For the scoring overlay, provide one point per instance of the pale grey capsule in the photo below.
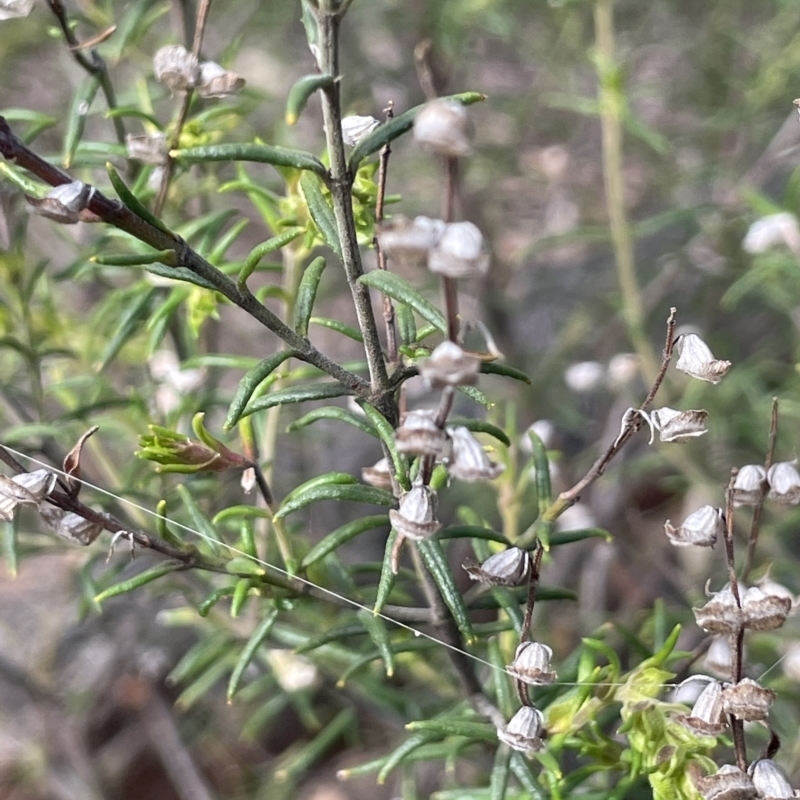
(700, 528)
(355, 128)
(378, 475)
(69, 526)
(12, 495)
(175, 67)
(510, 567)
(214, 80)
(449, 365)
(149, 148)
(444, 127)
(721, 614)
(770, 780)
(764, 612)
(747, 700)
(695, 359)
(15, 9)
(420, 435)
(62, 203)
(39, 483)
(416, 516)
(749, 485)
(468, 460)
(410, 240)
(459, 253)
(729, 783)
(784, 483)
(677, 426)
(772, 230)
(707, 716)
(531, 664)
(524, 730)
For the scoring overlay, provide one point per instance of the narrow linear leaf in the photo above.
(436, 563)
(541, 465)
(76, 121)
(307, 294)
(204, 608)
(297, 394)
(132, 319)
(265, 248)
(260, 153)
(131, 202)
(249, 650)
(300, 93)
(167, 257)
(406, 324)
(142, 579)
(240, 594)
(396, 127)
(245, 565)
(392, 285)
(199, 520)
(204, 684)
(333, 635)
(399, 754)
(333, 412)
(315, 749)
(321, 212)
(250, 382)
(134, 113)
(376, 629)
(567, 537)
(498, 781)
(345, 533)
(180, 274)
(496, 368)
(321, 480)
(453, 726)
(386, 433)
(474, 393)
(241, 512)
(339, 327)
(519, 596)
(354, 493)
(208, 650)
(481, 426)
(521, 768)
(388, 576)
(472, 532)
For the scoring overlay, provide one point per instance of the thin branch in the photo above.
(94, 65)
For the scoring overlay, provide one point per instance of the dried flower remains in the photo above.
(700, 528)
(695, 359)
(531, 664)
(510, 567)
(449, 365)
(524, 730)
(416, 516)
(444, 127)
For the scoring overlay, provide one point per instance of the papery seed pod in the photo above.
(419, 435)
(444, 127)
(721, 614)
(695, 359)
(416, 516)
(764, 612)
(459, 252)
(677, 426)
(719, 657)
(175, 67)
(772, 230)
(449, 365)
(510, 567)
(730, 783)
(356, 128)
(149, 148)
(747, 700)
(69, 526)
(769, 586)
(524, 730)
(63, 203)
(584, 376)
(15, 9)
(468, 460)
(707, 716)
(784, 483)
(11, 496)
(39, 483)
(216, 81)
(749, 485)
(378, 475)
(700, 528)
(410, 240)
(770, 780)
(532, 664)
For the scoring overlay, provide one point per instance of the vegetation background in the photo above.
(710, 144)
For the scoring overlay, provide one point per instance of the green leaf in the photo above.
(567, 537)
(386, 433)
(131, 202)
(498, 781)
(392, 285)
(199, 520)
(480, 426)
(472, 532)
(474, 393)
(406, 324)
(399, 754)
(250, 382)
(497, 368)
(376, 629)
(321, 212)
(131, 321)
(355, 493)
(333, 412)
(439, 568)
(244, 565)
(248, 652)
(388, 575)
(260, 153)
(297, 394)
(321, 480)
(541, 465)
(142, 579)
(307, 294)
(181, 274)
(166, 257)
(263, 249)
(300, 93)
(454, 726)
(332, 635)
(339, 327)
(345, 533)
(76, 121)
(396, 127)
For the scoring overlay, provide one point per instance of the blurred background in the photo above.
(699, 97)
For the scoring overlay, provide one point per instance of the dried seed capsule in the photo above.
(459, 252)
(749, 485)
(416, 516)
(721, 614)
(784, 483)
(15, 9)
(707, 716)
(63, 203)
(150, 148)
(468, 460)
(730, 783)
(419, 435)
(764, 612)
(39, 483)
(356, 128)
(511, 567)
(175, 67)
(700, 528)
(410, 240)
(772, 230)
(770, 780)
(69, 526)
(378, 475)
(676, 426)
(449, 365)
(524, 730)
(443, 126)
(719, 658)
(532, 664)
(747, 700)
(695, 359)
(216, 81)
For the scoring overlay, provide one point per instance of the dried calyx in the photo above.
(26, 489)
(677, 426)
(524, 730)
(695, 359)
(707, 716)
(531, 664)
(511, 567)
(701, 528)
(759, 611)
(449, 365)
(468, 460)
(416, 516)
(444, 127)
(419, 435)
(730, 783)
(67, 203)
